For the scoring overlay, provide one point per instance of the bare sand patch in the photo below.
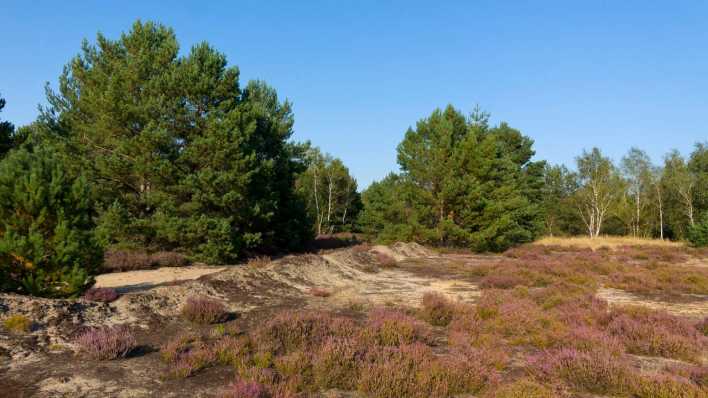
(695, 306)
(145, 279)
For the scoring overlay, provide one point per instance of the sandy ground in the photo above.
(697, 306)
(145, 279)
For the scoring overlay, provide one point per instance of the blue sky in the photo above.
(571, 75)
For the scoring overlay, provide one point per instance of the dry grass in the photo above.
(610, 242)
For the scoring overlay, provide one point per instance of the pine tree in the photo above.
(181, 157)
(7, 141)
(47, 247)
(463, 182)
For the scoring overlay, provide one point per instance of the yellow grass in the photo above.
(611, 242)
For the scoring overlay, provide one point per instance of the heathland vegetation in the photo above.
(149, 157)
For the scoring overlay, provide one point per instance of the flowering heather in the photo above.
(438, 310)
(188, 363)
(106, 342)
(586, 339)
(245, 389)
(336, 364)
(702, 326)
(386, 261)
(414, 371)
(501, 281)
(292, 331)
(393, 327)
(523, 388)
(204, 310)
(667, 386)
(169, 259)
(320, 292)
(230, 350)
(126, 260)
(655, 333)
(597, 372)
(102, 294)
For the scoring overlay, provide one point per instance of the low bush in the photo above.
(245, 389)
(655, 333)
(169, 259)
(189, 362)
(106, 342)
(336, 364)
(17, 324)
(258, 262)
(702, 326)
(438, 310)
(204, 310)
(500, 281)
(392, 327)
(126, 260)
(597, 372)
(295, 331)
(102, 294)
(523, 388)
(320, 292)
(386, 261)
(667, 386)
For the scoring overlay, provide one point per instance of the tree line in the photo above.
(141, 148)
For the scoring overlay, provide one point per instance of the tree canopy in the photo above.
(463, 182)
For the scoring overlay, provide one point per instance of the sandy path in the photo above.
(146, 279)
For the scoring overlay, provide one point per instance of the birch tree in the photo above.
(598, 188)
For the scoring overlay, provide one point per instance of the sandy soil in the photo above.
(691, 305)
(146, 279)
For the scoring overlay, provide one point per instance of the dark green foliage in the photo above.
(698, 233)
(47, 247)
(179, 155)
(7, 140)
(463, 183)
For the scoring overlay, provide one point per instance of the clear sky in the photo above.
(611, 74)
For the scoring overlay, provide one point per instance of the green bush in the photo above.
(698, 233)
(47, 247)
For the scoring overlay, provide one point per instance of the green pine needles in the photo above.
(47, 247)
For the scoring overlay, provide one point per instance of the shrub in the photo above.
(655, 333)
(385, 260)
(106, 342)
(258, 262)
(667, 386)
(245, 389)
(320, 292)
(102, 294)
(204, 310)
(393, 328)
(336, 364)
(170, 351)
(295, 331)
(17, 324)
(191, 361)
(500, 281)
(597, 372)
(126, 260)
(414, 371)
(297, 368)
(47, 245)
(437, 309)
(698, 233)
(232, 351)
(524, 388)
(169, 259)
(702, 326)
